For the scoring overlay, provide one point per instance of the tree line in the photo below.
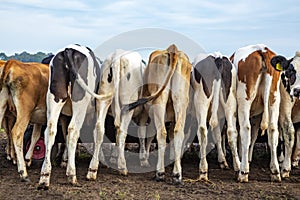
(25, 56)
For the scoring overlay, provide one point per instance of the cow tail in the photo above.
(4, 79)
(70, 62)
(116, 69)
(213, 122)
(173, 59)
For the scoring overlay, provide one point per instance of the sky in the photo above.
(50, 25)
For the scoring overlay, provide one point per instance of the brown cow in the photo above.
(27, 84)
(168, 80)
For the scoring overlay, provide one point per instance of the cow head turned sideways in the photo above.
(290, 75)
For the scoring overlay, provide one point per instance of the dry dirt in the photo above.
(111, 185)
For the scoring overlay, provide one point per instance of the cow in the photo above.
(75, 75)
(166, 88)
(214, 84)
(257, 92)
(25, 90)
(290, 93)
(8, 111)
(122, 73)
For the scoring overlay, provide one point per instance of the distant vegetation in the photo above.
(25, 57)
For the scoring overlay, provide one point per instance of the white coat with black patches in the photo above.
(122, 73)
(214, 84)
(74, 67)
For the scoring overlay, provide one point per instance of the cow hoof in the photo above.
(145, 163)
(275, 178)
(8, 157)
(203, 176)
(28, 162)
(43, 186)
(177, 179)
(63, 164)
(73, 180)
(224, 165)
(91, 175)
(25, 179)
(123, 172)
(295, 164)
(160, 176)
(285, 173)
(243, 177)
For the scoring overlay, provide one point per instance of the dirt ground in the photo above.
(111, 185)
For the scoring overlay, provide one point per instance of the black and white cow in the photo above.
(289, 107)
(75, 74)
(214, 84)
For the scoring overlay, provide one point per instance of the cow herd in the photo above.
(253, 82)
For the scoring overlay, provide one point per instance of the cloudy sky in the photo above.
(49, 25)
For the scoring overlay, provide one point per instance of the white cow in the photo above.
(122, 73)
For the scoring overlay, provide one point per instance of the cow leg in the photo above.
(121, 137)
(34, 138)
(64, 159)
(218, 139)
(98, 138)
(180, 107)
(288, 137)
(142, 137)
(49, 138)
(245, 135)
(17, 134)
(232, 134)
(8, 123)
(161, 135)
(201, 104)
(254, 134)
(273, 136)
(79, 112)
(296, 153)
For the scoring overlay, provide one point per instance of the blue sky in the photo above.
(49, 25)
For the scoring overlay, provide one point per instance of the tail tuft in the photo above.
(128, 107)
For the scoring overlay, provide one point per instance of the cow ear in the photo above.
(279, 63)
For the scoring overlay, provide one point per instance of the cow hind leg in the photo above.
(296, 153)
(98, 138)
(288, 137)
(245, 135)
(218, 139)
(142, 137)
(34, 138)
(121, 137)
(49, 138)
(180, 116)
(161, 135)
(17, 136)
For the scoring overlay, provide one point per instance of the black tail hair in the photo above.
(128, 107)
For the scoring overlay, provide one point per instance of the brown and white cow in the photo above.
(214, 84)
(257, 92)
(167, 81)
